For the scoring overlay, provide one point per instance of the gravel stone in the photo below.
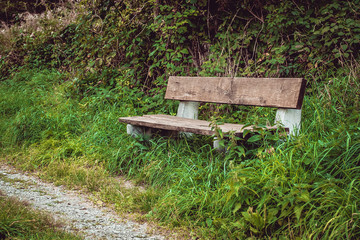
(78, 213)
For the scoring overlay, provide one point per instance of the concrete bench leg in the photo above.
(188, 110)
(290, 118)
(216, 144)
(137, 131)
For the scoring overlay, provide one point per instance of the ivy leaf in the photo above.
(184, 51)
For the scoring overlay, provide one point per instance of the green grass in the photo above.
(305, 188)
(19, 221)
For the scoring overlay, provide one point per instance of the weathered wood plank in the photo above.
(180, 124)
(269, 92)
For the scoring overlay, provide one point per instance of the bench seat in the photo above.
(180, 124)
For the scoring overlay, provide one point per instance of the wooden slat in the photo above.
(174, 123)
(269, 92)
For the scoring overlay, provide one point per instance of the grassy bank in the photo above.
(307, 187)
(19, 221)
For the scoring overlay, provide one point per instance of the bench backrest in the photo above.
(269, 92)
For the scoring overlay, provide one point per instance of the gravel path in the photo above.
(78, 213)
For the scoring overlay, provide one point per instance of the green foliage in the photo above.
(257, 188)
(140, 44)
(287, 38)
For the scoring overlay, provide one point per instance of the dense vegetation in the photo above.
(69, 73)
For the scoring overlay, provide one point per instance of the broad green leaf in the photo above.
(237, 207)
(254, 138)
(184, 51)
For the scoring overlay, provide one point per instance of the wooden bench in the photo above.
(286, 94)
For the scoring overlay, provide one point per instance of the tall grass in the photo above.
(307, 187)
